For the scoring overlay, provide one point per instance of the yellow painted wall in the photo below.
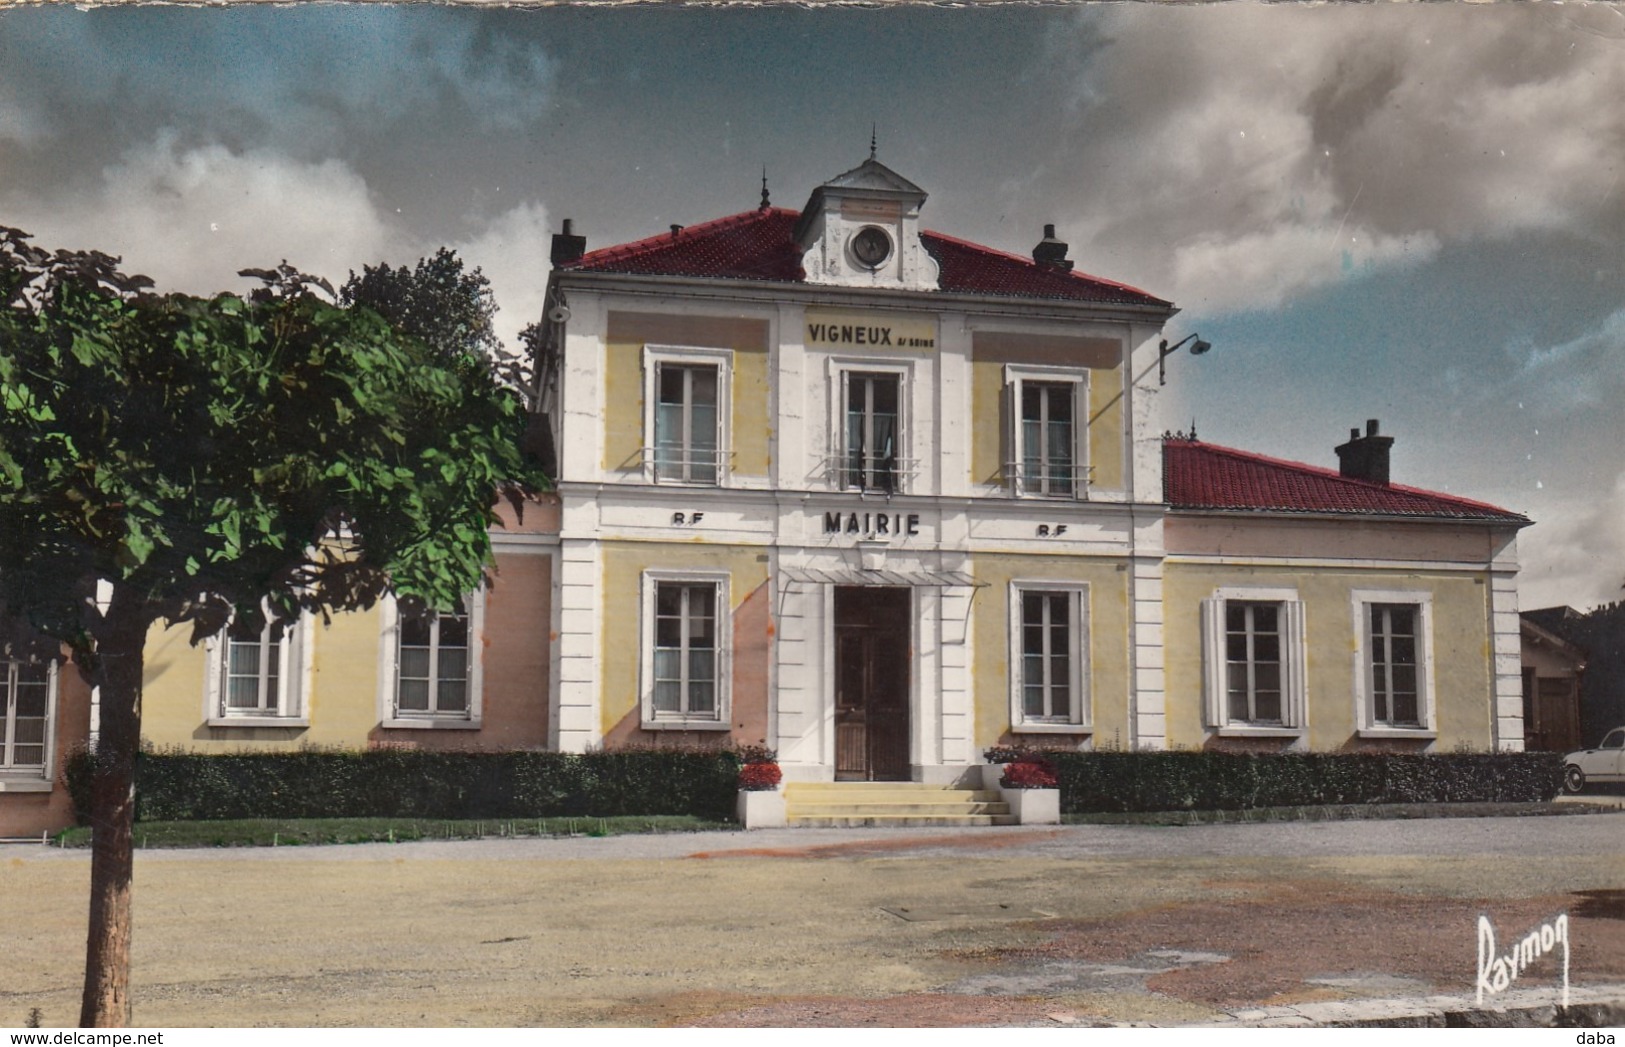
(1105, 438)
(751, 424)
(1108, 642)
(341, 701)
(623, 383)
(623, 405)
(1106, 431)
(623, 567)
(987, 422)
(1461, 648)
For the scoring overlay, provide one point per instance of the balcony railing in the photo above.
(1048, 480)
(888, 474)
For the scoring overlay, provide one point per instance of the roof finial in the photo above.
(873, 128)
(765, 204)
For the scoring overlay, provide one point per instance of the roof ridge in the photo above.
(1326, 473)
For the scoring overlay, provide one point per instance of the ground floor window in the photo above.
(1393, 659)
(434, 670)
(685, 650)
(1254, 660)
(26, 708)
(256, 673)
(1048, 655)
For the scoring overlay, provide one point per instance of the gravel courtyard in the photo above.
(923, 927)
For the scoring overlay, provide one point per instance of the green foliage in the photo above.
(211, 453)
(438, 302)
(1185, 781)
(417, 783)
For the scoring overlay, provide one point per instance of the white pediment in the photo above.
(875, 176)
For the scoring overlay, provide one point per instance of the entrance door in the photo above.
(872, 656)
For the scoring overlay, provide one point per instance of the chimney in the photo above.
(1051, 252)
(1365, 457)
(568, 247)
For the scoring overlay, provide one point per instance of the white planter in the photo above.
(761, 809)
(1034, 806)
(1030, 806)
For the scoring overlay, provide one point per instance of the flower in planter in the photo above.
(759, 777)
(1029, 774)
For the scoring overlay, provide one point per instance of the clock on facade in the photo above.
(871, 246)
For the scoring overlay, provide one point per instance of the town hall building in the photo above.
(878, 498)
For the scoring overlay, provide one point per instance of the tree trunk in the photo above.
(120, 641)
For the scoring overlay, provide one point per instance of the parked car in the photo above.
(1605, 763)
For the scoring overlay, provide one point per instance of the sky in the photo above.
(1407, 212)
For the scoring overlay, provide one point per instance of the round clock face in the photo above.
(871, 246)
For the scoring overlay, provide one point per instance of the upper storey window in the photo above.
(686, 423)
(1045, 432)
(873, 430)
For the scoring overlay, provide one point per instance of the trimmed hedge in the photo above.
(1099, 782)
(416, 783)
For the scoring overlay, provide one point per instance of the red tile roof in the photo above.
(760, 245)
(1198, 475)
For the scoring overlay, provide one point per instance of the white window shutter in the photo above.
(1010, 447)
(1292, 714)
(1213, 691)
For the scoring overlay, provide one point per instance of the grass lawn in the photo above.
(293, 832)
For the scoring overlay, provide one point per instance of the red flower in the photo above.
(1029, 774)
(756, 777)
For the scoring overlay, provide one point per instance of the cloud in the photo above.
(191, 218)
(1289, 148)
(304, 77)
(1578, 556)
(512, 250)
(1584, 371)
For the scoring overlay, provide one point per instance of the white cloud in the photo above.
(1576, 555)
(1286, 147)
(512, 250)
(1587, 370)
(191, 218)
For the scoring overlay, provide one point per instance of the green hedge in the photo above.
(415, 783)
(1097, 782)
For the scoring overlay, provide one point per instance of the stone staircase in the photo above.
(846, 804)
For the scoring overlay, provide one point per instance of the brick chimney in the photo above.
(1365, 457)
(568, 247)
(1051, 252)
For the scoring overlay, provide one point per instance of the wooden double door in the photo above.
(873, 652)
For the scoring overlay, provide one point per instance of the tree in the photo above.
(437, 301)
(190, 460)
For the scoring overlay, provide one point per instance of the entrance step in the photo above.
(847, 804)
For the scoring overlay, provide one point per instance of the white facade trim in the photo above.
(1329, 563)
(1506, 640)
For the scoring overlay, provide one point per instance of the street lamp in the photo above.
(1165, 350)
